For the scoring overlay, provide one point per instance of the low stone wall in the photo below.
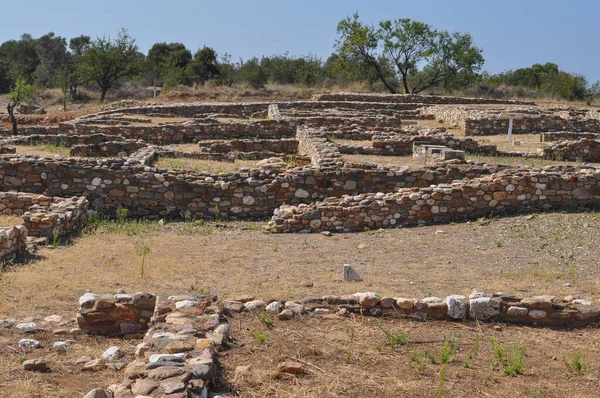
(584, 150)
(318, 148)
(60, 139)
(283, 145)
(18, 203)
(486, 122)
(508, 191)
(567, 136)
(188, 132)
(412, 98)
(62, 217)
(13, 242)
(115, 315)
(107, 149)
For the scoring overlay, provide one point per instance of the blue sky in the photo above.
(512, 33)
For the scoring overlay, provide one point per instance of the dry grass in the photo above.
(350, 358)
(209, 166)
(43, 150)
(9, 220)
(394, 161)
(528, 142)
(516, 254)
(352, 142)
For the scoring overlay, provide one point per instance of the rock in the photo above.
(538, 314)
(156, 365)
(255, 305)
(326, 233)
(27, 327)
(135, 370)
(273, 308)
(82, 359)
(538, 303)
(186, 304)
(201, 372)
(141, 349)
(171, 386)
(368, 299)
(301, 193)
(483, 308)
(405, 303)
(456, 308)
(35, 365)
(165, 372)
(96, 393)
(95, 365)
(286, 315)
(220, 334)
(244, 299)
(291, 368)
(166, 357)
(54, 319)
(516, 311)
(112, 353)
(350, 274)
(29, 343)
(61, 346)
(233, 306)
(296, 308)
(87, 300)
(143, 387)
(179, 346)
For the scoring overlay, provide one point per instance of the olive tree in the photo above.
(106, 61)
(422, 56)
(20, 93)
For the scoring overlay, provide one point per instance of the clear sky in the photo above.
(511, 33)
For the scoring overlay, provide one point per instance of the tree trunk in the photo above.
(103, 95)
(11, 108)
(405, 83)
(65, 101)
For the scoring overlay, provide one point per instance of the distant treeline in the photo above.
(100, 64)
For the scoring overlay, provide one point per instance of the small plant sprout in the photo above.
(576, 364)
(55, 239)
(142, 249)
(261, 336)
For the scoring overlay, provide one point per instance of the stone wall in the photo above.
(107, 149)
(412, 98)
(283, 145)
(124, 315)
(62, 217)
(13, 242)
(486, 122)
(110, 183)
(567, 136)
(507, 191)
(584, 150)
(188, 132)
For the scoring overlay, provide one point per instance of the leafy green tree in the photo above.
(78, 46)
(19, 58)
(52, 53)
(204, 66)
(422, 56)
(167, 62)
(252, 73)
(20, 93)
(107, 62)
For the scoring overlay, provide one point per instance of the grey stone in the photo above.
(456, 308)
(483, 308)
(350, 274)
(96, 393)
(35, 365)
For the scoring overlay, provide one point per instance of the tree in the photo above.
(52, 53)
(107, 62)
(204, 66)
(422, 56)
(167, 63)
(252, 73)
(78, 46)
(20, 93)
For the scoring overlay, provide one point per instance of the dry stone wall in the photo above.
(583, 150)
(507, 191)
(107, 149)
(486, 122)
(567, 136)
(412, 98)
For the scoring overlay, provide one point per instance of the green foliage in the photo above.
(21, 92)
(55, 239)
(253, 74)
(418, 362)
(420, 56)
(510, 358)
(394, 339)
(142, 249)
(107, 62)
(266, 319)
(575, 365)
(261, 336)
(443, 370)
(204, 66)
